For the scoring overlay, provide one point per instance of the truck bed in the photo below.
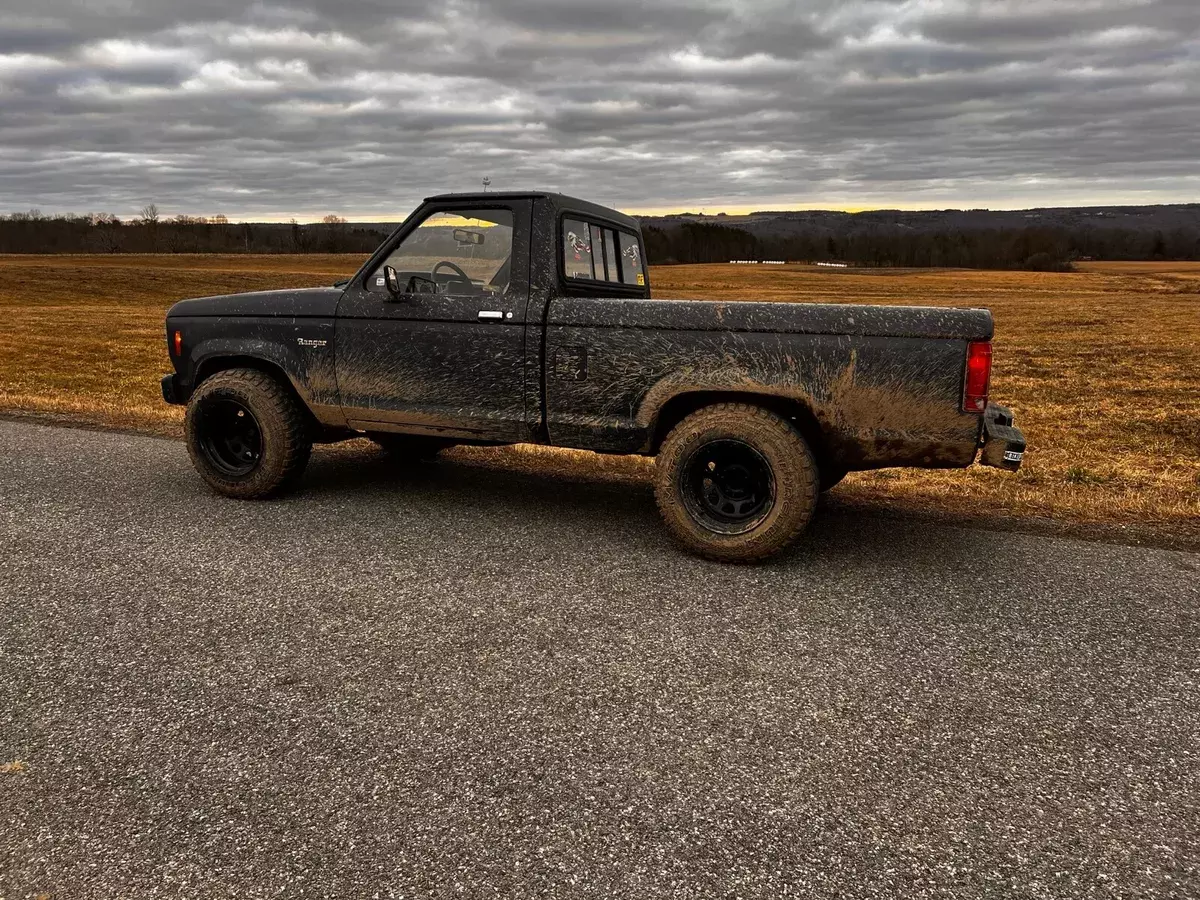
(882, 383)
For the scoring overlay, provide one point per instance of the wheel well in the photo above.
(681, 406)
(213, 365)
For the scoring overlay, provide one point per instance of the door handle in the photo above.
(491, 314)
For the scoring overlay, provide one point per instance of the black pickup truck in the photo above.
(501, 318)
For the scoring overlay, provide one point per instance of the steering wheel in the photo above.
(449, 265)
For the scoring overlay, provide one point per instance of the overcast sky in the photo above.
(273, 110)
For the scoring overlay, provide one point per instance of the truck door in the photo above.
(441, 350)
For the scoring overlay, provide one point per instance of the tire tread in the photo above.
(796, 497)
(294, 434)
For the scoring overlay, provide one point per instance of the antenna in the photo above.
(486, 183)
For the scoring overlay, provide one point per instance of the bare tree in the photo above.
(149, 217)
(109, 234)
(334, 219)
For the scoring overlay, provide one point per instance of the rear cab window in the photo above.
(577, 250)
(598, 253)
(632, 271)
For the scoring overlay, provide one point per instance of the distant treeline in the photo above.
(1039, 248)
(101, 233)
(1043, 248)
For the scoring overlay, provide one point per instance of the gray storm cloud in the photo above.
(363, 108)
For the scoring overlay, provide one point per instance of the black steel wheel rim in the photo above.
(230, 437)
(727, 486)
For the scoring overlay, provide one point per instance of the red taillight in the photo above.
(979, 372)
(177, 343)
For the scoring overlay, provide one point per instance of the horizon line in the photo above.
(277, 218)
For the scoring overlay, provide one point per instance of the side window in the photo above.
(631, 260)
(577, 250)
(597, 253)
(610, 254)
(461, 252)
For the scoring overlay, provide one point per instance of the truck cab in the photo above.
(433, 332)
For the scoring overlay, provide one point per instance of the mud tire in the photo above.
(282, 422)
(794, 482)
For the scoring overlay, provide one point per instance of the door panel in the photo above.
(429, 361)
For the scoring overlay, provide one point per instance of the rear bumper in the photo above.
(170, 390)
(1002, 442)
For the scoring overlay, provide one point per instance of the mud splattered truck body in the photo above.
(527, 317)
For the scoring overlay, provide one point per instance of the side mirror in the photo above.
(392, 281)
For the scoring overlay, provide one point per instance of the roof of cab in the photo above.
(561, 202)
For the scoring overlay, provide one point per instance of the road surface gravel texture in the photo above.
(448, 680)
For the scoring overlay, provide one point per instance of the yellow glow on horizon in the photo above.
(695, 209)
(734, 210)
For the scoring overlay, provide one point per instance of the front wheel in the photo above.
(247, 434)
(735, 482)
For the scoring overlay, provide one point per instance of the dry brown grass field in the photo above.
(1102, 367)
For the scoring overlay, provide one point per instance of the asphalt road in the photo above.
(452, 681)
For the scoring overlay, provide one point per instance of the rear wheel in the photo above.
(247, 434)
(735, 482)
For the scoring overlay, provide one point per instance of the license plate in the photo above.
(1013, 455)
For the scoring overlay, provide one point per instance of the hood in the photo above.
(293, 303)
